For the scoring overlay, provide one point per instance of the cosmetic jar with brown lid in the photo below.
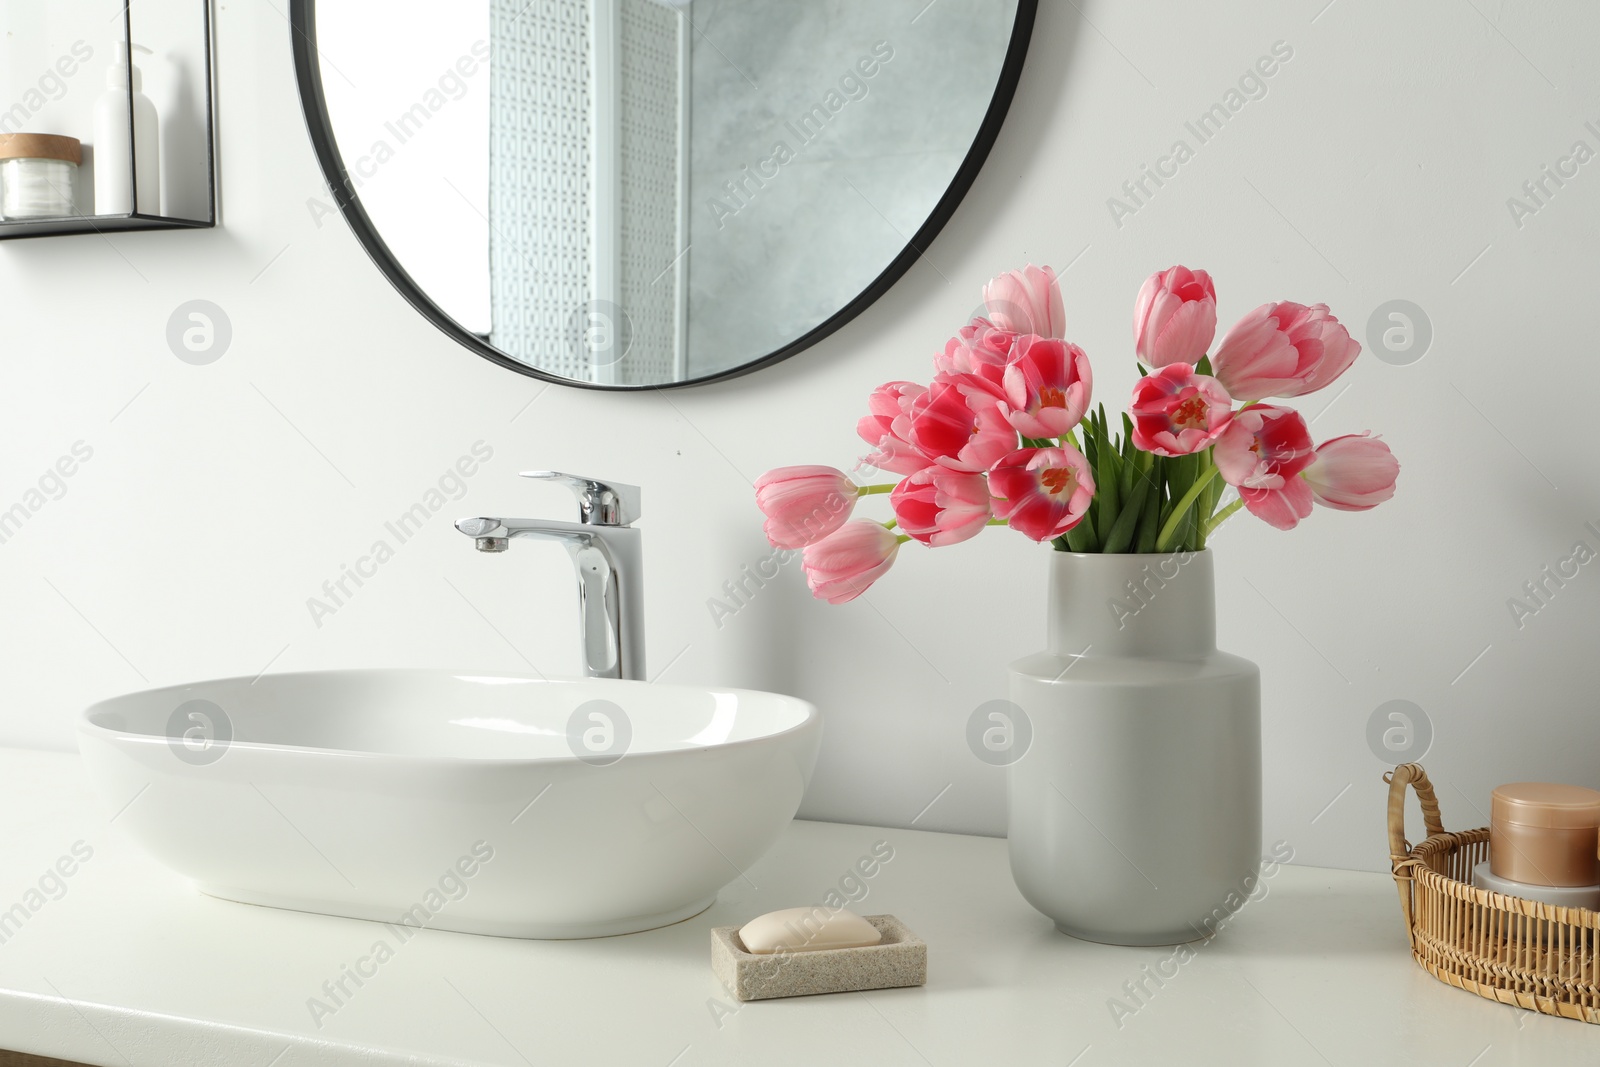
(1545, 834)
(38, 175)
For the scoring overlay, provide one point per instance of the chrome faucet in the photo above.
(605, 549)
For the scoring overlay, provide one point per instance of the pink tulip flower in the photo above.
(980, 348)
(1283, 349)
(804, 504)
(1174, 317)
(1355, 472)
(887, 428)
(1042, 492)
(1177, 412)
(1026, 301)
(1282, 507)
(1047, 386)
(959, 422)
(941, 507)
(842, 565)
(1261, 453)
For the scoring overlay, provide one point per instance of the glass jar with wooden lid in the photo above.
(38, 175)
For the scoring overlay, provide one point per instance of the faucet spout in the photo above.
(479, 529)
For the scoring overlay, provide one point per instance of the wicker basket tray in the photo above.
(1523, 952)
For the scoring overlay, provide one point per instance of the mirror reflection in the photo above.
(641, 192)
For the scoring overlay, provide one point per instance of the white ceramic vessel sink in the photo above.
(487, 803)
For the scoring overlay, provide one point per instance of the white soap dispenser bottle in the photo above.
(114, 138)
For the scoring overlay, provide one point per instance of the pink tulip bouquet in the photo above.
(1005, 436)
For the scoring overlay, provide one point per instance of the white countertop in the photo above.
(130, 966)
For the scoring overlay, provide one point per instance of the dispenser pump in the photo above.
(117, 75)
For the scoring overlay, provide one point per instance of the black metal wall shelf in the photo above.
(11, 229)
(76, 46)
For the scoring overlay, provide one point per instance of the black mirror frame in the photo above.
(308, 76)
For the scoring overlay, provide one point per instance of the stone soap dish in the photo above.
(900, 959)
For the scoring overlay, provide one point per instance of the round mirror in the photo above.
(641, 193)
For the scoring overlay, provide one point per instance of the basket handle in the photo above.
(1413, 775)
(1400, 860)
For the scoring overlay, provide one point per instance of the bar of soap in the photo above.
(807, 930)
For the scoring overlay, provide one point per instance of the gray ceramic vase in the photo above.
(1135, 810)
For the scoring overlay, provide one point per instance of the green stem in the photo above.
(874, 490)
(1220, 517)
(1206, 505)
(902, 538)
(1175, 520)
(997, 522)
(891, 524)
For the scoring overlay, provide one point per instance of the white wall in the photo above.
(1377, 167)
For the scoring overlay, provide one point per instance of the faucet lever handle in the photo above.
(599, 503)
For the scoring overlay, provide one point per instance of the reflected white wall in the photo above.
(407, 86)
